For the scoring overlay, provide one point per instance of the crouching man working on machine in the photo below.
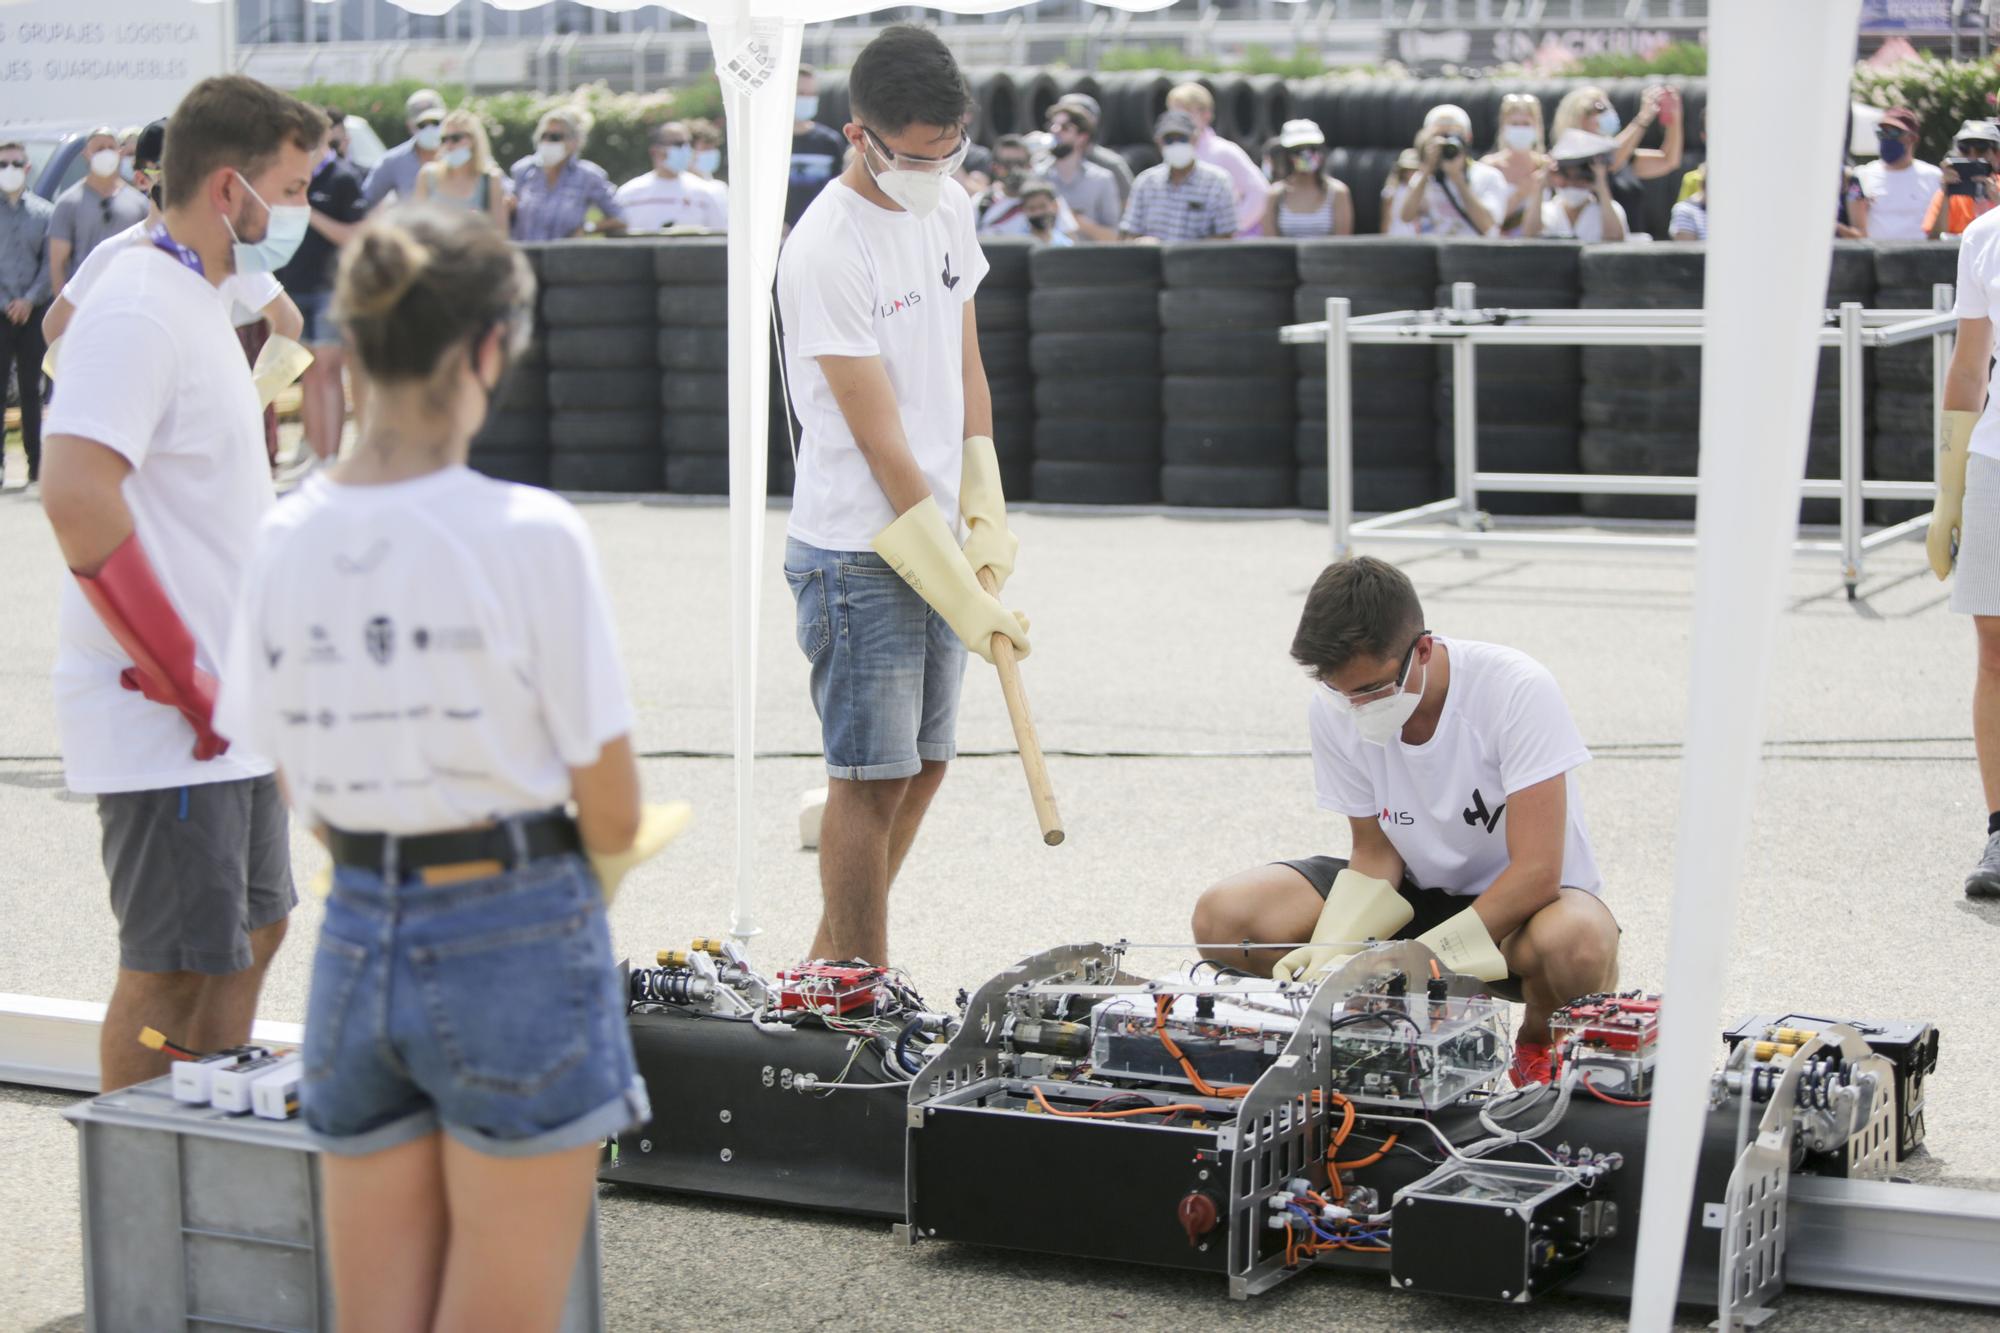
(1454, 762)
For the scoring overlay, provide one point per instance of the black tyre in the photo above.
(691, 261)
(603, 390)
(1229, 400)
(1007, 263)
(1906, 368)
(1239, 264)
(605, 432)
(526, 389)
(1371, 263)
(1657, 366)
(1099, 397)
(1905, 414)
(1229, 487)
(684, 433)
(1000, 312)
(1516, 402)
(692, 349)
(1204, 352)
(1915, 265)
(1376, 490)
(698, 474)
(1222, 308)
(1377, 444)
(697, 391)
(615, 472)
(581, 263)
(1271, 446)
(1093, 310)
(1078, 354)
(1895, 457)
(602, 305)
(1406, 396)
(1058, 440)
(1004, 354)
(601, 347)
(1309, 303)
(1095, 266)
(1095, 483)
(529, 467)
(512, 432)
(1013, 398)
(702, 307)
(1518, 448)
(1546, 266)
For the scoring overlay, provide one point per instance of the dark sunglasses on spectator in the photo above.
(555, 136)
(15, 162)
(1011, 163)
(456, 136)
(1174, 138)
(675, 143)
(1976, 146)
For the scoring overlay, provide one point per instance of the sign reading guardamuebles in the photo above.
(115, 62)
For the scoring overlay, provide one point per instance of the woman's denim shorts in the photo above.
(489, 1009)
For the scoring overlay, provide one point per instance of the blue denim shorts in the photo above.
(317, 310)
(489, 1009)
(885, 667)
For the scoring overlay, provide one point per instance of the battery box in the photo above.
(829, 988)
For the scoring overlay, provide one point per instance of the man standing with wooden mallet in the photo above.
(875, 286)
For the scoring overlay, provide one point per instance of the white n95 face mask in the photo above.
(1381, 720)
(12, 179)
(104, 162)
(917, 193)
(1574, 196)
(1178, 155)
(551, 154)
(1520, 138)
(457, 157)
(428, 137)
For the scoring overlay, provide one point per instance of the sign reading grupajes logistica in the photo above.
(96, 62)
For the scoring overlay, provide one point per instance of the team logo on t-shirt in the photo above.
(950, 278)
(894, 304)
(1475, 814)
(1389, 816)
(380, 635)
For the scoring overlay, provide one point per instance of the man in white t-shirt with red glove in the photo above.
(1455, 762)
(875, 286)
(155, 482)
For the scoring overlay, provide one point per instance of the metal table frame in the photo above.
(1464, 327)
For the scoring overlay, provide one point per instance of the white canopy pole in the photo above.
(1771, 62)
(758, 61)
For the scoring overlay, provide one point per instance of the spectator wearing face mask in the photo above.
(24, 292)
(1964, 192)
(1897, 186)
(555, 188)
(128, 144)
(1090, 191)
(335, 198)
(817, 150)
(1304, 200)
(1449, 194)
(707, 137)
(671, 195)
(396, 173)
(1589, 109)
(1001, 208)
(1580, 206)
(1043, 209)
(1181, 199)
(463, 175)
(1210, 148)
(1521, 155)
(1399, 175)
(98, 206)
(1115, 163)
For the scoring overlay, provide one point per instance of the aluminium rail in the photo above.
(1464, 327)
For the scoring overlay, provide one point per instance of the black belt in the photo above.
(551, 833)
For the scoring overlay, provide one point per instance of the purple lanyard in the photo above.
(160, 238)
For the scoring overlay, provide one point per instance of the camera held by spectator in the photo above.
(1967, 187)
(1581, 205)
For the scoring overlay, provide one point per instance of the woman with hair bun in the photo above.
(428, 655)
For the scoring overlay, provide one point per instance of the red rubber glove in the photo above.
(128, 598)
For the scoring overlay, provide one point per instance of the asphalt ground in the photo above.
(1175, 723)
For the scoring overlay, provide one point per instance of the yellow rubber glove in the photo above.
(1948, 514)
(920, 547)
(278, 366)
(1358, 907)
(1463, 945)
(658, 826)
(49, 358)
(983, 506)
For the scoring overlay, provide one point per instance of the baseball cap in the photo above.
(1444, 111)
(1902, 120)
(1577, 145)
(1300, 134)
(1083, 102)
(1174, 122)
(151, 146)
(429, 116)
(1985, 131)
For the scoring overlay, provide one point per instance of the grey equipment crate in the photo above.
(197, 1219)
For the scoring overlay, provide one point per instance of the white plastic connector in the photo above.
(1277, 1222)
(1334, 1213)
(1299, 1185)
(1283, 1199)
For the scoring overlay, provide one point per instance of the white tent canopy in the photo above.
(1772, 62)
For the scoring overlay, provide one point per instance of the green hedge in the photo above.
(1943, 93)
(618, 135)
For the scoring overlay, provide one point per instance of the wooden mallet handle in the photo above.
(1037, 768)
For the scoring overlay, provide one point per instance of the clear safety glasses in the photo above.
(947, 165)
(1373, 692)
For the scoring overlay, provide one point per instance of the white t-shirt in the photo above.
(246, 293)
(1898, 200)
(1978, 293)
(1589, 223)
(1442, 804)
(1440, 216)
(178, 404)
(652, 201)
(858, 280)
(424, 655)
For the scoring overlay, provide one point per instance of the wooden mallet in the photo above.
(1037, 768)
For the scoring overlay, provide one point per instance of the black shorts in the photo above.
(194, 870)
(1433, 907)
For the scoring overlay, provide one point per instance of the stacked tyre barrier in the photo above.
(1392, 388)
(691, 299)
(513, 441)
(1901, 441)
(1641, 406)
(1527, 396)
(1227, 394)
(1094, 349)
(603, 387)
(1001, 312)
